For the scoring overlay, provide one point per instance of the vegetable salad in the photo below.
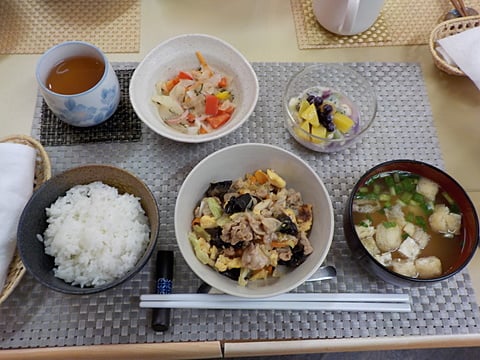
(195, 101)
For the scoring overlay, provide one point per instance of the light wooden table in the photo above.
(264, 31)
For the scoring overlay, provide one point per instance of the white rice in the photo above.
(95, 234)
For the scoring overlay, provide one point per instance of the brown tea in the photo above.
(75, 75)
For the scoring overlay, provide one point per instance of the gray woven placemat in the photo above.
(35, 316)
(123, 126)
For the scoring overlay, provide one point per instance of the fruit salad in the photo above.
(323, 113)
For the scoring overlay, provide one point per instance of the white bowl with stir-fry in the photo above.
(253, 220)
(410, 223)
(194, 88)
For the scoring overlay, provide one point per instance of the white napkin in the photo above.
(463, 49)
(17, 170)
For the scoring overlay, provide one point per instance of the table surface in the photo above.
(264, 31)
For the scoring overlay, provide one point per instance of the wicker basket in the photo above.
(43, 171)
(447, 28)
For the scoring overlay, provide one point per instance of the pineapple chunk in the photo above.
(310, 115)
(306, 127)
(343, 122)
(319, 131)
(303, 105)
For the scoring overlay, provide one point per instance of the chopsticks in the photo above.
(460, 7)
(291, 301)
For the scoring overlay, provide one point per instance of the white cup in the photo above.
(87, 108)
(347, 17)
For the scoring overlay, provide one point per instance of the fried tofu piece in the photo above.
(409, 248)
(370, 244)
(385, 259)
(404, 267)
(443, 221)
(428, 267)
(388, 238)
(427, 188)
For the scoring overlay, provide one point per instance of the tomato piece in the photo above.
(217, 121)
(211, 104)
(223, 82)
(202, 130)
(184, 75)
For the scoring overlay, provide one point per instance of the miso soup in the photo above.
(409, 224)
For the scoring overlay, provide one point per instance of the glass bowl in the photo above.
(349, 93)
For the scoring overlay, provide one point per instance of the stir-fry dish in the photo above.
(409, 224)
(324, 113)
(247, 228)
(195, 101)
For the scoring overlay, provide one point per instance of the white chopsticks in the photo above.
(291, 301)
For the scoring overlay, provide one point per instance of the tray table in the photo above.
(37, 317)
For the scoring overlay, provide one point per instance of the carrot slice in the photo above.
(169, 84)
(261, 177)
(218, 120)
(278, 244)
(201, 59)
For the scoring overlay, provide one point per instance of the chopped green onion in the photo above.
(409, 184)
(448, 198)
(396, 177)
(420, 221)
(406, 197)
(384, 197)
(427, 207)
(419, 198)
(389, 181)
(368, 196)
(389, 224)
(410, 217)
(363, 189)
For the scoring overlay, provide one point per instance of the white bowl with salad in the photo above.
(194, 88)
(329, 107)
(258, 228)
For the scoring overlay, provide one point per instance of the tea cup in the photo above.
(78, 83)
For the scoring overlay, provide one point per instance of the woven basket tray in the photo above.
(448, 28)
(43, 171)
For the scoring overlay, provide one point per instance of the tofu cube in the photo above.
(404, 267)
(409, 228)
(427, 188)
(385, 259)
(428, 267)
(409, 248)
(371, 246)
(421, 237)
(443, 221)
(364, 231)
(388, 238)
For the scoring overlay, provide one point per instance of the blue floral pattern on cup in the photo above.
(88, 108)
(77, 113)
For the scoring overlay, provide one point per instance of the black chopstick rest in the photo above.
(163, 285)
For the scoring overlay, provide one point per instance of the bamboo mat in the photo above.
(33, 26)
(401, 22)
